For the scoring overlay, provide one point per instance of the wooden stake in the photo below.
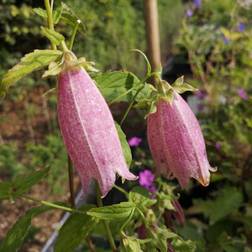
(152, 33)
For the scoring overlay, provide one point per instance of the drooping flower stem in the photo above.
(131, 105)
(50, 19)
(71, 182)
(74, 34)
(105, 223)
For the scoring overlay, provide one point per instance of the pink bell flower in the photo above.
(89, 131)
(176, 142)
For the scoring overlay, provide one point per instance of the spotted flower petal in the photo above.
(89, 131)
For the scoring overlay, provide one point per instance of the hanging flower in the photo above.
(88, 130)
(176, 142)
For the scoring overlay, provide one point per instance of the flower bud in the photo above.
(88, 131)
(176, 142)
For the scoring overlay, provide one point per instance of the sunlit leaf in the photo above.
(117, 211)
(29, 63)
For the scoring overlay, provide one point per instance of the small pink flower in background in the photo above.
(134, 141)
(146, 180)
(242, 93)
(218, 146)
(189, 13)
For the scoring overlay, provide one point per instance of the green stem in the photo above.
(121, 190)
(105, 223)
(53, 205)
(50, 19)
(71, 182)
(74, 34)
(131, 105)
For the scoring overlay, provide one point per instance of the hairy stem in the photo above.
(74, 34)
(53, 205)
(131, 105)
(49, 11)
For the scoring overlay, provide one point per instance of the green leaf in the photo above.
(21, 185)
(180, 245)
(117, 86)
(40, 12)
(124, 143)
(131, 244)
(184, 88)
(161, 236)
(54, 37)
(53, 69)
(74, 230)
(57, 14)
(114, 212)
(141, 201)
(70, 17)
(29, 63)
(16, 235)
(228, 200)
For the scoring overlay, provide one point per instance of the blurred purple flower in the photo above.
(134, 141)
(146, 180)
(218, 146)
(201, 94)
(226, 40)
(197, 3)
(189, 13)
(241, 27)
(242, 93)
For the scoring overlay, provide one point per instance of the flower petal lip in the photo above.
(89, 132)
(182, 142)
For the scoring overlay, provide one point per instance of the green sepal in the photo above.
(53, 69)
(180, 86)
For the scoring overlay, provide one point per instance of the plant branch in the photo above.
(74, 34)
(105, 223)
(131, 105)
(49, 11)
(53, 205)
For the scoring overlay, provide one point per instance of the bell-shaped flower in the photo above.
(176, 141)
(88, 130)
